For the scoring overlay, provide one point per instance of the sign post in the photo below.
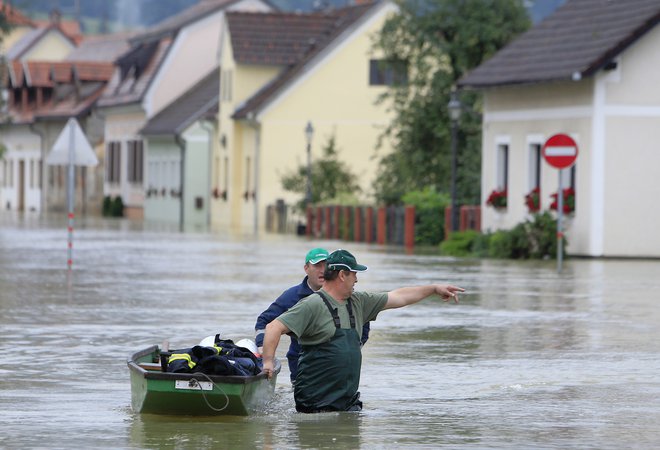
(560, 151)
(71, 149)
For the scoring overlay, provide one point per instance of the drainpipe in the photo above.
(44, 177)
(182, 146)
(208, 126)
(257, 148)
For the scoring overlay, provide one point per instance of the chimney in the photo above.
(55, 17)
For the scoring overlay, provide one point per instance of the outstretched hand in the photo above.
(448, 292)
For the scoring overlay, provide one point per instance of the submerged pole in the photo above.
(70, 195)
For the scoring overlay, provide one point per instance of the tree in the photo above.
(438, 41)
(332, 180)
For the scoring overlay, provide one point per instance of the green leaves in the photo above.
(440, 40)
(332, 180)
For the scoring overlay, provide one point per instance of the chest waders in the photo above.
(329, 373)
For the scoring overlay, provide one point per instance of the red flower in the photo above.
(568, 201)
(497, 199)
(533, 200)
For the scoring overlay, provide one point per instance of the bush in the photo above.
(113, 207)
(429, 215)
(460, 243)
(531, 239)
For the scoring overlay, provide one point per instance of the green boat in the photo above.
(156, 392)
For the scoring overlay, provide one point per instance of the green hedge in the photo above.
(531, 239)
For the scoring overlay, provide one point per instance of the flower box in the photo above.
(497, 199)
(568, 206)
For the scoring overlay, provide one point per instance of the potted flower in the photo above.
(533, 200)
(497, 199)
(568, 206)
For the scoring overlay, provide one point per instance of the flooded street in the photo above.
(529, 358)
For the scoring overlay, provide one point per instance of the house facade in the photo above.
(162, 64)
(181, 140)
(588, 71)
(271, 88)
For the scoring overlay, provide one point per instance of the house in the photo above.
(43, 95)
(279, 72)
(20, 25)
(162, 64)
(589, 70)
(181, 140)
(48, 41)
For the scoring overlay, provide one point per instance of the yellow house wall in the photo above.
(230, 161)
(336, 97)
(52, 47)
(12, 37)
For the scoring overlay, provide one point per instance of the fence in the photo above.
(382, 225)
(393, 225)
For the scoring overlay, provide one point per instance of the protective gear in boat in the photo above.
(224, 358)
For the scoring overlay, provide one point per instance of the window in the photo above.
(387, 72)
(135, 161)
(113, 162)
(534, 166)
(226, 85)
(503, 167)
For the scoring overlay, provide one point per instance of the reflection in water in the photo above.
(530, 358)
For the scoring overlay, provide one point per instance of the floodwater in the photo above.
(528, 359)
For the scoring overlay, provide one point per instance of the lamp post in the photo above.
(454, 107)
(309, 134)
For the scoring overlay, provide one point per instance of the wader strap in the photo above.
(333, 311)
(350, 312)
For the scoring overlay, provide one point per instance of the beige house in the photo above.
(162, 64)
(280, 72)
(590, 70)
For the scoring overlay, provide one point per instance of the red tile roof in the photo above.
(14, 16)
(290, 40)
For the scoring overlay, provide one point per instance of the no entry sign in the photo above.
(560, 151)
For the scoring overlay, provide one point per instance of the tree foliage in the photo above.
(439, 41)
(332, 180)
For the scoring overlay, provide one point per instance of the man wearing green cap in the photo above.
(314, 268)
(328, 324)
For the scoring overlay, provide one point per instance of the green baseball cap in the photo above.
(316, 255)
(343, 260)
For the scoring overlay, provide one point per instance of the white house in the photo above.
(590, 70)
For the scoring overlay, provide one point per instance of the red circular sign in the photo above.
(560, 151)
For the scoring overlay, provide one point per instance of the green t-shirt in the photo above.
(312, 323)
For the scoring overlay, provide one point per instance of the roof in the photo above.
(14, 16)
(278, 38)
(49, 73)
(138, 66)
(580, 38)
(75, 86)
(291, 40)
(102, 47)
(134, 72)
(193, 105)
(174, 23)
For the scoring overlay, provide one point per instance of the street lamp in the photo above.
(454, 107)
(309, 134)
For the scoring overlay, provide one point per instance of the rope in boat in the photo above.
(214, 386)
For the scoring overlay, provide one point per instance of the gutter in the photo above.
(207, 125)
(182, 146)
